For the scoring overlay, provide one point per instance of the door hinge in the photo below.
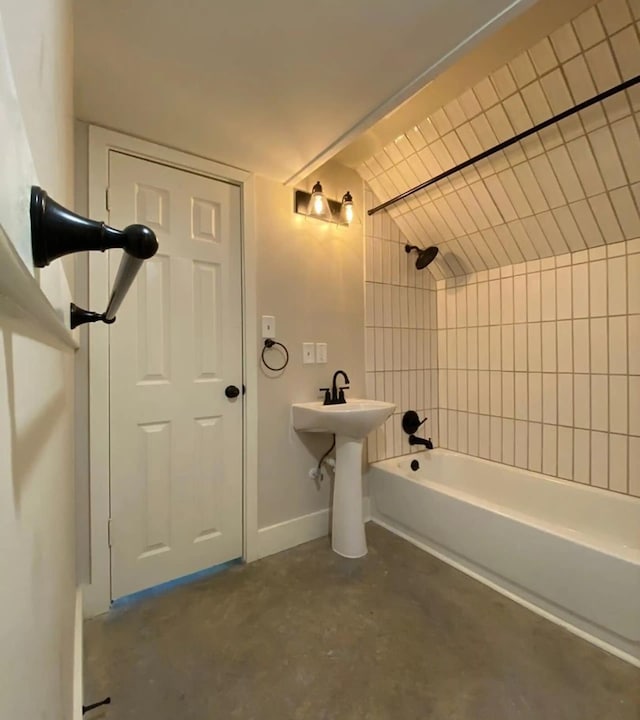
(106, 199)
(109, 532)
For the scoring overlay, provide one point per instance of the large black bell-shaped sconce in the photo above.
(56, 231)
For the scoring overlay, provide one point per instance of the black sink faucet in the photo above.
(335, 395)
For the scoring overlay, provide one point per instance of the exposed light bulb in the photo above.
(346, 212)
(318, 204)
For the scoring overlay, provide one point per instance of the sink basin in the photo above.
(351, 422)
(354, 419)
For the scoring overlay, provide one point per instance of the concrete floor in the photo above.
(307, 635)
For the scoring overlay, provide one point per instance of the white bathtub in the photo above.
(567, 551)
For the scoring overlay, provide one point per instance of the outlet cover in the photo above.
(308, 353)
(268, 327)
(321, 353)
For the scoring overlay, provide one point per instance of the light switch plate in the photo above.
(308, 353)
(321, 353)
(268, 327)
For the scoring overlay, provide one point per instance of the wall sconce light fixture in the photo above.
(346, 208)
(56, 231)
(316, 204)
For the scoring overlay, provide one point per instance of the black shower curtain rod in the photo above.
(507, 143)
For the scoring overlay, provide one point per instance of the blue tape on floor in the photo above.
(164, 587)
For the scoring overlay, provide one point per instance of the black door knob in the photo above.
(231, 391)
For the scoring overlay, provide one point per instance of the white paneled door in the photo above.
(176, 348)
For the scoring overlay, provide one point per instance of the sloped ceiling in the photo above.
(574, 186)
(273, 87)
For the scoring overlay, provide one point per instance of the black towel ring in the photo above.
(268, 344)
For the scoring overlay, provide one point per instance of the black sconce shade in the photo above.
(56, 231)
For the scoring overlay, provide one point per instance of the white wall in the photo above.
(310, 276)
(37, 557)
(39, 38)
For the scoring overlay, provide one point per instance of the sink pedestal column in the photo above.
(348, 538)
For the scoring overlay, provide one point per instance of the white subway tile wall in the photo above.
(521, 342)
(400, 336)
(535, 365)
(548, 378)
(572, 187)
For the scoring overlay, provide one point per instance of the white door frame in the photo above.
(97, 594)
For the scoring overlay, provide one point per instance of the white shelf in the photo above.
(21, 297)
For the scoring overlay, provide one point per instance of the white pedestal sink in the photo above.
(351, 422)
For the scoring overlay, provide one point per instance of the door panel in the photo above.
(176, 440)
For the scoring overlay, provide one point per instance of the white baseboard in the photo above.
(282, 536)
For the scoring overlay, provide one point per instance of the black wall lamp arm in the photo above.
(56, 231)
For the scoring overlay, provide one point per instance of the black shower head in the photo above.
(425, 256)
